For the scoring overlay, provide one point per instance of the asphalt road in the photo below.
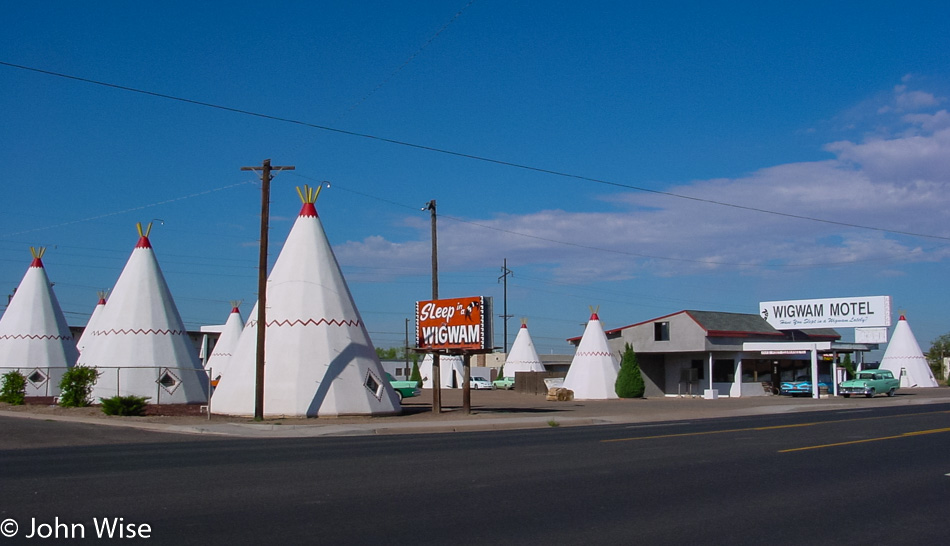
(861, 476)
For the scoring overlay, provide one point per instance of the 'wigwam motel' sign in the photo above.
(828, 313)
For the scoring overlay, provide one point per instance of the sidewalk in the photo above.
(491, 410)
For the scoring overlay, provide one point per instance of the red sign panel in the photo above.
(454, 324)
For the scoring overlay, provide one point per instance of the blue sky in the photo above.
(829, 112)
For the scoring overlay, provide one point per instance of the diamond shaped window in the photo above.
(37, 378)
(169, 381)
(374, 385)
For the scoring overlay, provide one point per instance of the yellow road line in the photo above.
(904, 435)
(775, 427)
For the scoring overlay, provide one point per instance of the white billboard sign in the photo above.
(870, 335)
(863, 312)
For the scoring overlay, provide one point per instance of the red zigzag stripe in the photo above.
(308, 322)
(140, 332)
(595, 353)
(34, 336)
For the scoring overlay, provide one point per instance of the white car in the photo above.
(479, 383)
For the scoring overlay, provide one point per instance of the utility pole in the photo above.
(436, 372)
(405, 352)
(265, 170)
(504, 277)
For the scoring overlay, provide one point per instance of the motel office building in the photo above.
(745, 354)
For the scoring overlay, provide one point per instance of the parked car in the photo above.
(802, 385)
(404, 389)
(478, 382)
(869, 383)
(506, 383)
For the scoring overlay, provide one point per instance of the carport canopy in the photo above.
(795, 346)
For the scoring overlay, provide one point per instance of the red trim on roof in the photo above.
(102, 301)
(593, 316)
(235, 310)
(39, 263)
(308, 210)
(615, 330)
(902, 318)
(143, 242)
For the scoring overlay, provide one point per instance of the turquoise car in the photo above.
(802, 385)
(506, 383)
(404, 389)
(869, 383)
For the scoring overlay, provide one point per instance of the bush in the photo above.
(629, 381)
(13, 388)
(76, 386)
(125, 405)
(416, 375)
(848, 366)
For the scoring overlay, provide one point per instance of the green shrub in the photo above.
(629, 381)
(76, 386)
(13, 388)
(125, 405)
(416, 375)
(848, 366)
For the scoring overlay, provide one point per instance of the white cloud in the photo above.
(913, 100)
(929, 122)
(898, 183)
(901, 160)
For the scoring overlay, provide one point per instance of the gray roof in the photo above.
(732, 322)
(740, 324)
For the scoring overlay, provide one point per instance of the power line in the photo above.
(596, 248)
(133, 209)
(473, 157)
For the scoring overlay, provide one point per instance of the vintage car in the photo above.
(869, 383)
(404, 389)
(802, 385)
(506, 383)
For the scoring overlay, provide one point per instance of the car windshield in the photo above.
(865, 376)
(479, 379)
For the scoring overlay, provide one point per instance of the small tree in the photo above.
(76, 386)
(629, 381)
(848, 365)
(939, 348)
(416, 375)
(13, 389)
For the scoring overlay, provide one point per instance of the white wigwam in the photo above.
(903, 352)
(451, 372)
(523, 357)
(319, 357)
(593, 372)
(141, 331)
(34, 336)
(86, 336)
(221, 354)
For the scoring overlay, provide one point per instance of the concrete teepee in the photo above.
(34, 336)
(86, 336)
(522, 357)
(451, 372)
(221, 354)
(141, 332)
(903, 353)
(594, 370)
(319, 357)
